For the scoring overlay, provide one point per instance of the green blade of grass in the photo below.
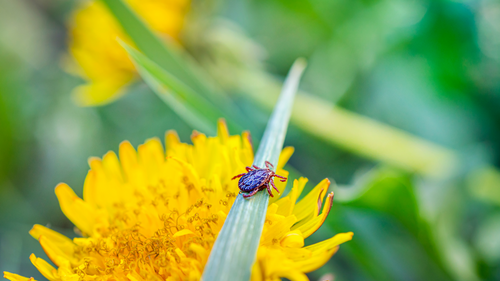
(149, 44)
(236, 246)
(354, 132)
(172, 60)
(193, 108)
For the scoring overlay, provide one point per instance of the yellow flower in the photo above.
(154, 215)
(102, 61)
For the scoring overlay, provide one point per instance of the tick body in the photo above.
(257, 179)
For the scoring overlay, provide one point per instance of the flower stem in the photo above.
(236, 246)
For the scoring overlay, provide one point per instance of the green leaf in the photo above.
(148, 43)
(234, 250)
(382, 209)
(353, 132)
(193, 108)
(173, 60)
(386, 190)
(483, 184)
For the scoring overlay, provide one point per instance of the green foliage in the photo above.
(182, 99)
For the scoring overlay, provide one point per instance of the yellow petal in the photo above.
(287, 203)
(190, 173)
(331, 243)
(279, 185)
(200, 251)
(90, 194)
(47, 270)
(171, 140)
(57, 255)
(15, 277)
(101, 92)
(293, 239)
(151, 157)
(134, 276)
(277, 230)
(54, 236)
(312, 225)
(322, 252)
(182, 233)
(300, 187)
(112, 166)
(130, 163)
(247, 149)
(315, 261)
(58, 247)
(256, 274)
(285, 155)
(294, 275)
(76, 210)
(102, 185)
(66, 273)
(222, 131)
(109, 166)
(198, 139)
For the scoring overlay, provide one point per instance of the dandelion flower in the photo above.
(101, 60)
(155, 215)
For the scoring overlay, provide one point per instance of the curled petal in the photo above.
(15, 277)
(331, 243)
(311, 226)
(322, 252)
(303, 209)
(76, 210)
(293, 239)
(58, 256)
(59, 248)
(47, 270)
(54, 236)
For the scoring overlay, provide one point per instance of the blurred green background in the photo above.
(429, 68)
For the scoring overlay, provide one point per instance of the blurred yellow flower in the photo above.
(101, 60)
(151, 215)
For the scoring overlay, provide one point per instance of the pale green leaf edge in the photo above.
(193, 108)
(174, 61)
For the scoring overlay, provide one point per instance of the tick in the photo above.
(256, 179)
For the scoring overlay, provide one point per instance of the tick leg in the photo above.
(283, 179)
(269, 164)
(255, 167)
(249, 169)
(274, 186)
(238, 176)
(251, 193)
(269, 190)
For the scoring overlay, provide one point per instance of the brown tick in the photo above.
(257, 179)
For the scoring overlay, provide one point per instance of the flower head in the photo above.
(102, 61)
(154, 215)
